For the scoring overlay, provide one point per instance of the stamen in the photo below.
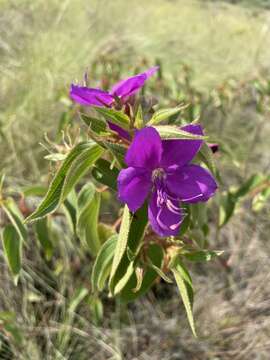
(174, 226)
(160, 223)
(164, 200)
(174, 209)
(192, 198)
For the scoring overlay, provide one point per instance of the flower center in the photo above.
(158, 174)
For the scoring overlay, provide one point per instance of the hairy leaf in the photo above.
(169, 132)
(121, 244)
(104, 174)
(136, 233)
(12, 245)
(43, 234)
(159, 272)
(70, 210)
(15, 217)
(117, 150)
(114, 116)
(103, 262)
(138, 123)
(206, 156)
(184, 284)
(79, 167)
(80, 158)
(96, 308)
(164, 114)
(87, 218)
(98, 126)
(155, 255)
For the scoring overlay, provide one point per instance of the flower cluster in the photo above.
(158, 171)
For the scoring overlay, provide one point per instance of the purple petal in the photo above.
(181, 152)
(151, 71)
(90, 96)
(145, 149)
(121, 132)
(131, 85)
(165, 217)
(133, 187)
(191, 183)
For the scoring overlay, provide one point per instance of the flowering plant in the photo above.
(161, 169)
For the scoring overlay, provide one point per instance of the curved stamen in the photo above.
(174, 209)
(192, 197)
(175, 226)
(164, 200)
(160, 223)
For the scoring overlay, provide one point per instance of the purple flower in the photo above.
(121, 90)
(162, 170)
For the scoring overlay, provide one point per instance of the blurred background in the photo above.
(214, 55)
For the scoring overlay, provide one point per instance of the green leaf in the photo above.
(184, 284)
(137, 228)
(79, 167)
(138, 123)
(199, 214)
(155, 255)
(203, 255)
(121, 244)
(98, 126)
(160, 272)
(114, 116)
(34, 190)
(43, 234)
(163, 114)
(77, 298)
(229, 200)
(139, 272)
(103, 262)
(80, 158)
(226, 208)
(96, 309)
(105, 232)
(124, 279)
(15, 217)
(187, 219)
(117, 150)
(136, 233)
(249, 185)
(2, 180)
(206, 156)
(198, 236)
(87, 218)
(169, 132)
(12, 245)
(103, 173)
(70, 210)
(259, 201)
